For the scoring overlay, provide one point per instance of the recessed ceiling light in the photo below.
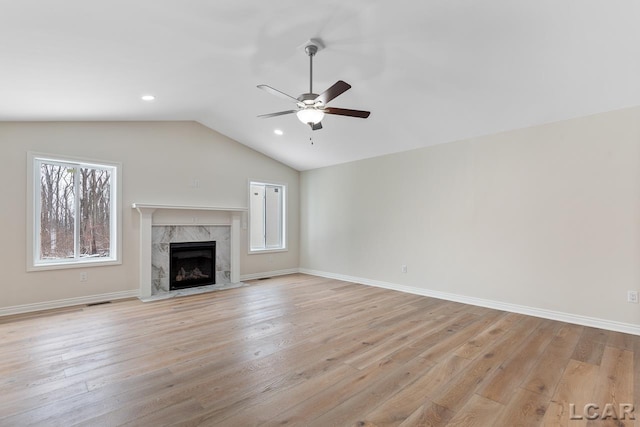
(148, 97)
(278, 132)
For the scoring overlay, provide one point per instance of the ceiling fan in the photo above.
(311, 106)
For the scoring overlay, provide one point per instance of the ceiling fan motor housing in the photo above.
(309, 99)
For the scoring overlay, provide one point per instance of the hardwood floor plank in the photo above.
(403, 404)
(620, 340)
(80, 407)
(162, 412)
(16, 403)
(480, 341)
(575, 388)
(524, 409)
(404, 333)
(503, 382)
(268, 404)
(545, 375)
(463, 330)
(430, 414)
(455, 393)
(615, 383)
(478, 411)
(590, 347)
(349, 411)
(430, 338)
(302, 350)
(306, 411)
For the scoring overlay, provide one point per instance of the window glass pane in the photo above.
(257, 216)
(273, 217)
(57, 211)
(95, 212)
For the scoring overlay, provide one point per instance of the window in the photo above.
(74, 210)
(266, 216)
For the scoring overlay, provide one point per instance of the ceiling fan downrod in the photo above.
(311, 51)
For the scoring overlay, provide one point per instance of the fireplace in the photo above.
(192, 264)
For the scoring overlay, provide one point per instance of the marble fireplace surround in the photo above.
(163, 236)
(159, 215)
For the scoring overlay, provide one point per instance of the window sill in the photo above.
(267, 251)
(73, 264)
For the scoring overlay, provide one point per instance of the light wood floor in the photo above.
(305, 351)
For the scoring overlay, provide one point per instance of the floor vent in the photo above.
(98, 303)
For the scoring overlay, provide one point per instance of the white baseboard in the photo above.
(48, 305)
(497, 305)
(577, 319)
(264, 274)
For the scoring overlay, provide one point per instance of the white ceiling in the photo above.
(430, 72)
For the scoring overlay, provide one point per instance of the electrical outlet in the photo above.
(403, 268)
(632, 296)
(83, 276)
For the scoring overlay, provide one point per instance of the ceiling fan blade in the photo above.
(317, 126)
(334, 91)
(277, 93)
(347, 112)
(279, 113)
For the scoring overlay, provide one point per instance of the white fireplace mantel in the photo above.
(143, 206)
(230, 215)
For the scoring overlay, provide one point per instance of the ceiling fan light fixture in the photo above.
(310, 115)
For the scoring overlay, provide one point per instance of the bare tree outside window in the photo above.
(75, 211)
(57, 213)
(95, 209)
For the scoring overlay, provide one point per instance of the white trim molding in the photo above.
(266, 274)
(577, 319)
(155, 206)
(69, 302)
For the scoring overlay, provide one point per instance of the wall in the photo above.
(546, 217)
(160, 161)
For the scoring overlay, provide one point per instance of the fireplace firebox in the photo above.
(192, 264)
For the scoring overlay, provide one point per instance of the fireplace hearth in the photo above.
(192, 264)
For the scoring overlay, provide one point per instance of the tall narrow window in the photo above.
(267, 216)
(74, 212)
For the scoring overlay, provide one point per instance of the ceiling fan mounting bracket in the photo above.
(312, 46)
(311, 50)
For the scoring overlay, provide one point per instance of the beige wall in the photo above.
(159, 160)
(546, 217)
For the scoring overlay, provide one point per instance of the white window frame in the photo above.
(283, 225)
(33, 213)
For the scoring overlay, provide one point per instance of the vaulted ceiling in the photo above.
(430, 72)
